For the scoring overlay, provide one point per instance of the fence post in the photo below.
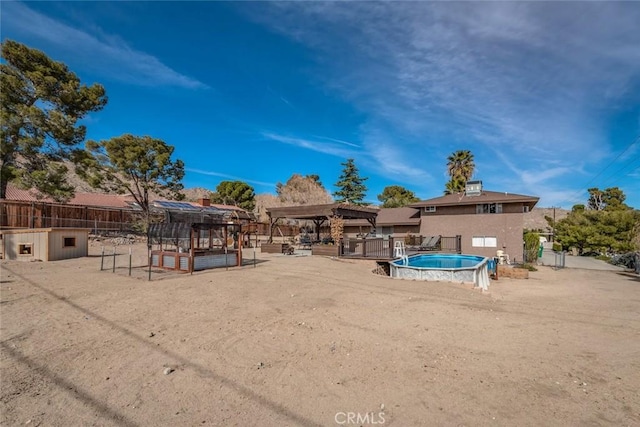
(149, 255)
(113, 270)
(458, 243)
(102, 259)
(129, 261)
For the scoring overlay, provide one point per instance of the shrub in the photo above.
(531, 245)
(557, 247)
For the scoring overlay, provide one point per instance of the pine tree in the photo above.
(351, 188)
(43, 103)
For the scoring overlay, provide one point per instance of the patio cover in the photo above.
(321, 213)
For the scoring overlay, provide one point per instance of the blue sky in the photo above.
(546, 95)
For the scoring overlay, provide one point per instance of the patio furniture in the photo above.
(305, 242)
(429, 243)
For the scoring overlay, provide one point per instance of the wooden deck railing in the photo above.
(381, 248)
(367, 248)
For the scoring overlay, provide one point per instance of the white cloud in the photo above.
(314, 145)
(230, 177)
(537, 82)
(107, 55)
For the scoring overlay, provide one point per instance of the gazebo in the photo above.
(321, 213)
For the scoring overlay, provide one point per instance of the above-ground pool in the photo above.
(443, 267)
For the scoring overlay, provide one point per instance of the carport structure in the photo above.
(321, 213)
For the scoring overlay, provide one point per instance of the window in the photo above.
(429, 208)
(484, 242)
(25, 249)
(486, 208)
(525, 209)
(69, 242)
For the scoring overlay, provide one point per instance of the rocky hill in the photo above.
(81, 186)
(534, 220)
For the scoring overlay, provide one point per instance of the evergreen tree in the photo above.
(607, 226)
(610, 199)
(134, 165)
(235, 193)
(351, 188)
(395, 196)
(41, 101)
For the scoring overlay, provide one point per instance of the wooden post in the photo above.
(149, 258)
(240, 240)
(391, 247)
(192, 252)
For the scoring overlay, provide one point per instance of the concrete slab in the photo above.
(587, 263)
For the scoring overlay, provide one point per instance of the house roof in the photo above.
(84, 199)
(485, 197)
(391, 216)
(344, 210)
(103, 200)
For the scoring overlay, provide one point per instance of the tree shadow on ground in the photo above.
(293, 417)
(631, 276)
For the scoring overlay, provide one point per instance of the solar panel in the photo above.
(212, 209)
(175, 205)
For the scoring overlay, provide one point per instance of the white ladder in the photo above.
(399, 249)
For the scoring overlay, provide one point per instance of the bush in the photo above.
(627, 260)
(531, 245)
(557, 247)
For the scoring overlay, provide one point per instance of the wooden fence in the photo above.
(17, 214)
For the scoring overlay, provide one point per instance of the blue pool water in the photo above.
(439, 261)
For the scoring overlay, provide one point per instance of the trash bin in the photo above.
(540, 251)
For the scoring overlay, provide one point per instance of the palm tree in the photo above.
(460, 165)
(455, 185)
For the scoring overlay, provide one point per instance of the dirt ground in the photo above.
(313, 341)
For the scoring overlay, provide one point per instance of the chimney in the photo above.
(204, 202)
(473, 188)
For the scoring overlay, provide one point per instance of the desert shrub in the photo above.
(531, 245)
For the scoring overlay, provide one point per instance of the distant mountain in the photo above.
(535, 219)
(81, 186)
(193, 194)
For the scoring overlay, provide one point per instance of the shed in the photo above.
(45, 244)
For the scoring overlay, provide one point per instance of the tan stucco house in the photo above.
(488, 221)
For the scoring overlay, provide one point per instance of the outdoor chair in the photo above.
(429, 243)
(305, 242)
